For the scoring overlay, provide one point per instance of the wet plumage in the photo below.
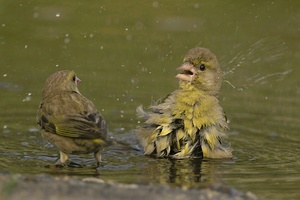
(189, 122)
(69, 120)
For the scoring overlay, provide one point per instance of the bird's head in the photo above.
(200, 69)
(61, 81)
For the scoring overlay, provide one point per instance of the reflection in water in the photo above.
(72, 170)
(185, 172)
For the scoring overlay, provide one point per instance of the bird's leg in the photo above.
(98, 157)
(62, 158)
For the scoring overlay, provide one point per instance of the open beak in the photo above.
(187, 72)
(78, 81)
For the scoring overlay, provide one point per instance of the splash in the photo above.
(264, 52)
(258, 78)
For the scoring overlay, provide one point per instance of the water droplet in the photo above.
(33, 130)
(67, 40)
(35, 15)
(57, 14)
(129, 37)
(155, 4)
(25, 143)
(27, 98)
(139, 25)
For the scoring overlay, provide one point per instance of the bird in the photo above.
(189, 122)
(70, 121)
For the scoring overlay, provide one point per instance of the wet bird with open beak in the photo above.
(189, 122)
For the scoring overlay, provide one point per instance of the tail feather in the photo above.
(141, 113)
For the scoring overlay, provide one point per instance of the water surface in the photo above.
(127, 54)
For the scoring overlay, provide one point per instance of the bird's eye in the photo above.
(74, 78)
(202, 67)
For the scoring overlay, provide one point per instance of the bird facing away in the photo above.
(69, 120)
(189, 122)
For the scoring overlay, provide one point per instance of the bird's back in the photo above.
(72, 115)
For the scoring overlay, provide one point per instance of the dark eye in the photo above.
(202, 67)
(74, 78)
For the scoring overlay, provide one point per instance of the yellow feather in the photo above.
(186, 151)
(179, 135)
(162, 144)
(153, 136)
(158, 119)
(205, 150)
(165, 131)
(149, 148)
(98, 141)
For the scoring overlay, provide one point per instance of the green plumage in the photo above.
(189, 122)
(70, 121)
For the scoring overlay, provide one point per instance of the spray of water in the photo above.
(264, 52)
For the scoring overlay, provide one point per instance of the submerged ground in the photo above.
(47, 187)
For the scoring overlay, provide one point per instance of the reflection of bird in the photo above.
(189, 122)
(70, 121)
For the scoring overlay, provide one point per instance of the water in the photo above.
(126, 55)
